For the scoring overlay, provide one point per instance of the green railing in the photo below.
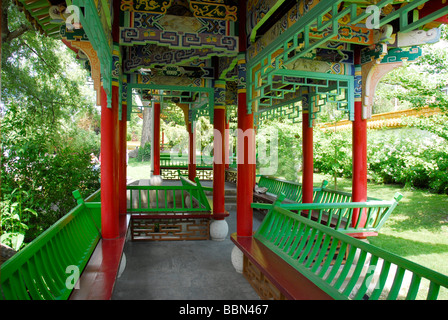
(350, 217)
(167, 199)
(48, 266)
(293, 191)
(173, 161)
(342, 266)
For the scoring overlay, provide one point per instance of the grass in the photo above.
(138, 170)
(417, 229)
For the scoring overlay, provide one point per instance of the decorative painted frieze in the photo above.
(150, 55)
(178, 40)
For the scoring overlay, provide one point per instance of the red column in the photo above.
(219, 163)
(109, 203)
(191, 152)
(245, 168)
(307, 150)
(246, 164)
(156, 139)
(227, 145)
(122, 171)
(359, 132)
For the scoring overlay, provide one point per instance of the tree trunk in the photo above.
(146, 127)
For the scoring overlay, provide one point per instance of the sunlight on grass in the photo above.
(138, 170)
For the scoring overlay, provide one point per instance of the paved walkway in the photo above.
(183, 270)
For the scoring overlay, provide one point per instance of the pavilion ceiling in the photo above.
(190, 44)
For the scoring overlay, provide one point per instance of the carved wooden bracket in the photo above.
(91, 54)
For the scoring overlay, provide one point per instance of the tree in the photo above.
(421, 83)
(45, 149)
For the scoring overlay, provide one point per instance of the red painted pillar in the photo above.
(156, 156)
(307, 150)
(227, 145)
(246, 164)
(359, 132)
(115, 100)
(245, 168)
(219, 124)
(109, 203)
(191, 151)
(122, 171)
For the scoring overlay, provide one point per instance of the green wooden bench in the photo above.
(291, 190)
(334, 210)
(47, 267)
(169, 212)
(358, 219)
(293, 257)
(170, 166)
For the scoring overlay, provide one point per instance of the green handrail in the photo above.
(293, 191)
(327, 257)
(371, 215)
(167, 199)
(48, 266)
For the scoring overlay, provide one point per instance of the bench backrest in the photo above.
(174, 161)
(293, 191)
(349, 218)
(48, 266)
(168, 199)
(342, 266)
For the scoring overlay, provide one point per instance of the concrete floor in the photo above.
(183, 270)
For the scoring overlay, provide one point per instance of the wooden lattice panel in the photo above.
(172, 174)
(169, 229)
(262, 286)
(204, 174)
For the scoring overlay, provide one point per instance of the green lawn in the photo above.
(138, 170)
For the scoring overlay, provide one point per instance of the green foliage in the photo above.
(144, 153)
(14, 219)
(49, 128)
(420, 83)
(288, 151)
(406, 156)
(332, 152)
(47, 163)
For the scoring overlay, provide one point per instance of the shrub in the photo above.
(46, 163)
(144, 153)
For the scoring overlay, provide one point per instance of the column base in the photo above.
(237, 258)
(219, 230)
(156, 181)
